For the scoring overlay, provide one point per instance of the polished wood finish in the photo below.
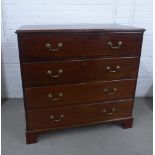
(83, 93)
(88, 79)
(42, 131)
(39, 119)
(31, 137)
(128, 123)
(78, 28)
(78, 71)
(83, 46)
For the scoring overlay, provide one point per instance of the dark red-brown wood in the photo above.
(128, 123)
(78, 45)
(78, 71)
(83, 58)
(32, 135)
(40, 119)
(78, 28)
(79, 93)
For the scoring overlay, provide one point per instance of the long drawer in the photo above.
(78, 115)
(83, 93)
(77, 71)
(49, 46)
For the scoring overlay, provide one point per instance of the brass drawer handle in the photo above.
(60, 95)
(52, 117)
(110, 44)
(48, 45)
(113, 70)
(109, 113)
(60, 71)
(111, 91)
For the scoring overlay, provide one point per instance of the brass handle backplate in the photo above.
(48, 45)
(50, 95)
(110, 44)
(60, 118)
(109, 112)
(110, 91)
(49, 72)
(117, 68)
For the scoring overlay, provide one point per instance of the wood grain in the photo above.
(78, 71)
(78, 28)
(39, 119)
(37, 97)
(86, 92)
(78, 45)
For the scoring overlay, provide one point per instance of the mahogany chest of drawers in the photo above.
(78, 75)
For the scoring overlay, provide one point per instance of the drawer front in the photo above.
(73, 115)
(78, 71)
(49, 46)
(57, 95)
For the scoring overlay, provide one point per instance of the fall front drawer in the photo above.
(78, 115)
(77, 71)
(79, 93)
(61, 45)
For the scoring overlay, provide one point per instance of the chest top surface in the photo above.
(78, 28)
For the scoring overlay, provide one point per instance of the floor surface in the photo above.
(103, 139)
